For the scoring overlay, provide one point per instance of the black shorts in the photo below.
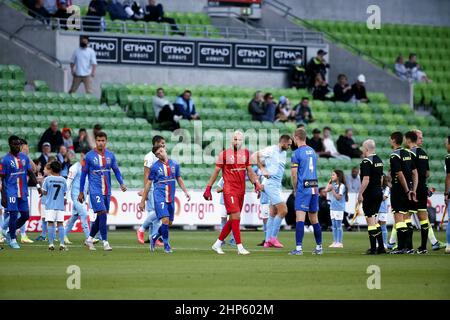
(371, 203)
(422, 200)
(399, 201)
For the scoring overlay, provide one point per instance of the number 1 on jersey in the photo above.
(311, 165)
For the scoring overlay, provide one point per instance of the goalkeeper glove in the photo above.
(207, 194)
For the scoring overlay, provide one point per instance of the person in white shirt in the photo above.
(353, 181)
(329, 146)
(83, 66)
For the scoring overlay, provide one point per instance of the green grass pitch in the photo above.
(194, 271)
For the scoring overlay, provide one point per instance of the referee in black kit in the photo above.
(404, 186)
(421, 161)
(371, 194)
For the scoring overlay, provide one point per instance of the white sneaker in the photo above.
(333, 245)
(107, 247)
(243, 251)
(339, 245)
(51, 247)
(90, 245)
(447, 249)
(217, 249)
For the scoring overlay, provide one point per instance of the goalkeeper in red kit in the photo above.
(234, 163)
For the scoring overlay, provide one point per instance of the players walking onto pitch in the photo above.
(163, 175)
(234, 162)
(97, 167)
(304, 181)
(371, 194)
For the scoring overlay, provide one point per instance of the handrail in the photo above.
(286, 9)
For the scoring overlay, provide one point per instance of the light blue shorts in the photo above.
(273, 193)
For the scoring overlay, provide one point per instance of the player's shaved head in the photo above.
(369, 145)
(237, 139)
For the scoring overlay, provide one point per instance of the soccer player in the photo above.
(304, 181)
(97, 167)
(272, 161)
(371, 194)
(233, 162)
(339, 196)
(14, 169)
(54, 188)
(223, 213)
(404, 186)
(446, 193)
(151, 222)
(163, 175)
(78, 209)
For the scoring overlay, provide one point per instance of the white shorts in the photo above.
(337, 215)
(265, 211)
(382, 217)
(54, 216)
(223, 211)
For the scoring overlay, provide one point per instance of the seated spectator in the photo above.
(359, 90)
(347, 146)
(297, 73)
(45, 155)
(303, 113)
(63, 158)
(39, 12)
(328, 143)
(321, 90)
(155, 12)
(184, 106)
(164, 112)
(317, 144)
(95, 16)
(270, 107)
(317, 65)
(257, 107)
(62, 14)
(53, 136)
(50, 6)
(81, 142)
(414, 68)
(116, 11)
(400, 69)
(342, 90)
(284, 110)
(67, 139)
(133, 10)
(353, 181)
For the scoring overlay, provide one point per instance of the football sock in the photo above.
(431, 236)
(379, 237)
(402, 229)
(225, 231)
(84, 225)
(372, 230)
(236, 230)
(22, 219)
(51, 234)
(276, 226)
(317, 233)
(44, 228)
(393, 238)
(102, 226)
(269, 227)
(94, 227)
(299, 232)
(12, 224)
(409, 234)
(23, 231)
(70, 224)
(333, 230)
(424, 225)
(340, 231)
(384, 233)
(61, 234)
(165, 233)
(146, 224)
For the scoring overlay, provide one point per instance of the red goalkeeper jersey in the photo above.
(234, 166)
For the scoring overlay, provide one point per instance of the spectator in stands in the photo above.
(67, 139)
(320, 90)
(359, 90)
(53, 136)
(324, 210)
(95, 16)
(297, 73)
(45, 155)
(303, 113)
(83, 65)
(133, 10)
(81, 142)
(256, 106)
(184, 106)
(270, 108)
(64, 158)
(39, 11)
(342, 90)
(50, 6)
(284, 110)
(347, 146)
(116, 11)
(164, 112)
(329, 145)
(414, 68)
(316, 65)
(316, 143)
(91, 136)
(353, 181)
(62, 14)
(155, 12)
(400, 69)
(26, 150)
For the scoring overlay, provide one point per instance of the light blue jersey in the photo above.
(383, 206)
(335, 204)
(56, 188)
(73, 181)
(220, 185)
(275, 161)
